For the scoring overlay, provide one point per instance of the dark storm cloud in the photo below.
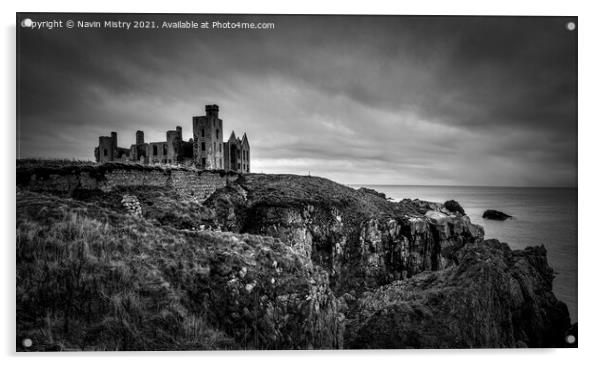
(417, 100)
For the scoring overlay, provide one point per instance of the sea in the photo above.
(541, 216)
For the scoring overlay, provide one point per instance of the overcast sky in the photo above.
(380, 100)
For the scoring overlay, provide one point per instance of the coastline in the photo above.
(541, 216)
(343, 248)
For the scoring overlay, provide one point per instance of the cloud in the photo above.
(408, 100)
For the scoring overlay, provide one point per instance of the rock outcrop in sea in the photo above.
(495, 215)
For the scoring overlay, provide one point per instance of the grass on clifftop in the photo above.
(85, 284)
(92, 278)
(283, 190)
(38, 162)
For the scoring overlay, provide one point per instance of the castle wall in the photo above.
(226, 149)
(245, 159)
(157, 152)
(189, 183)
(123, 155)
(174, 143)
(234, 155)
(138, 153)
(115, 145)
(106, 150)
(199, 185)
(118, 178)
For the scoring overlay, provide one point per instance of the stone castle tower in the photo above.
(208, 146)
(206, 150)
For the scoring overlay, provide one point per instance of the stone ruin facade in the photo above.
(206, 150)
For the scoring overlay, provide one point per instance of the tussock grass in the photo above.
(293, 190)
(84, 284)
(90, 277)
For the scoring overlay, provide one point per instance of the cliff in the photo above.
(89, 278)
(362, 239)
(264, 261)
(494, 297)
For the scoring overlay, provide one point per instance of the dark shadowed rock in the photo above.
(494, 297)
(453, 206)
(360, 238)
(495, 215)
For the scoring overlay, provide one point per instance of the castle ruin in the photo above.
(206, 150)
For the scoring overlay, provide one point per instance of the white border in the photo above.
(590, 253)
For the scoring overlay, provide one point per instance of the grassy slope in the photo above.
(93, 278)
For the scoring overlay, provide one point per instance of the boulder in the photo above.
(495, 215)
(454, 207)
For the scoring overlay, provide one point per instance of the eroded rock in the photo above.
(493, 297)
(361, 239)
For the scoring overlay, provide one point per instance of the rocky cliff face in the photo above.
(362, 239)
(493, 297)
(423, 274)
(274, 262)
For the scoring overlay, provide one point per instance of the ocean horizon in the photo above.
(540, 216)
